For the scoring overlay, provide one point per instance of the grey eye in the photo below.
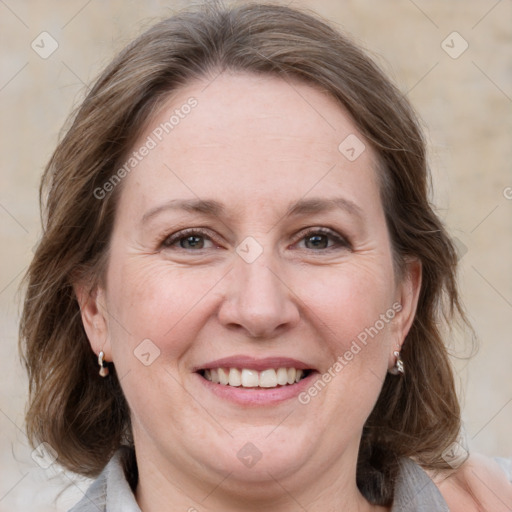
(192, 242)
(317, 241)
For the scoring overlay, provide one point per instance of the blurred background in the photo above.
(452, 59)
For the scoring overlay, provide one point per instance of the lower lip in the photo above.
(258, 396)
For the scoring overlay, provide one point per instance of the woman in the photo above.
(237, 300)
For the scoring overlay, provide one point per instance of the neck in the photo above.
(164, 485)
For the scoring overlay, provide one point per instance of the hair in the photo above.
(86, 418)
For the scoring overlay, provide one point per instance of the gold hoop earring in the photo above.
(102, 364)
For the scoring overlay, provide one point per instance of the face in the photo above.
(249, 247)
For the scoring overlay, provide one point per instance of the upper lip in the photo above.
(254, 363)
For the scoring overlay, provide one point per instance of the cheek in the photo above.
(349, 298)
(351, 311)
(153, 301)
(157, 314)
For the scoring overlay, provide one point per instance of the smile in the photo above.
(250, 378)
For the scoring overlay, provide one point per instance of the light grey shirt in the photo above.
(111, 492)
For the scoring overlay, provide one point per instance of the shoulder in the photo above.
(415, 491)
(111, 490)
(506, 466)
(480, 483)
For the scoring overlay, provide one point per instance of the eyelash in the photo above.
(339, 241)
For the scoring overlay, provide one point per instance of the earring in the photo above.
(102, 364)
(398, 369)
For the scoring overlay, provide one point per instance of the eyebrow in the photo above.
(206, 206)
(320, 205)
(214, 208)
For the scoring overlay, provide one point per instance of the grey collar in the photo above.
(415, 491)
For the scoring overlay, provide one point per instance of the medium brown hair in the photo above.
(86, 418)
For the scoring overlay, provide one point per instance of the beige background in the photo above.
(465, 104)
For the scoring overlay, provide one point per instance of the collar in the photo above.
(415, 491)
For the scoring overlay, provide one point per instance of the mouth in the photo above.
(249, 381)
(268, 378)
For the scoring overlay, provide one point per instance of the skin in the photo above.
(479, 485)
(257, 145)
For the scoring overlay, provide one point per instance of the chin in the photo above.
(262, 456)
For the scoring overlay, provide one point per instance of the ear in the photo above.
(94, 318)
(408, 292)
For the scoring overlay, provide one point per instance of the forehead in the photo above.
(250, 137)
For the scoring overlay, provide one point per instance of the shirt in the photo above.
(111, 492)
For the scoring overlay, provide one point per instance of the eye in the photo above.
(188, 239)
(323, 238)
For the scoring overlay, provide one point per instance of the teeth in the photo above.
(223, 376)
(282, 376)
(249, 378)
(268, 379)
(235, 377)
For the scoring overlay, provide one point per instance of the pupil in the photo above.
(193, 241)
(318, 241)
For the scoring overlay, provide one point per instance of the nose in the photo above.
(259, 300)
